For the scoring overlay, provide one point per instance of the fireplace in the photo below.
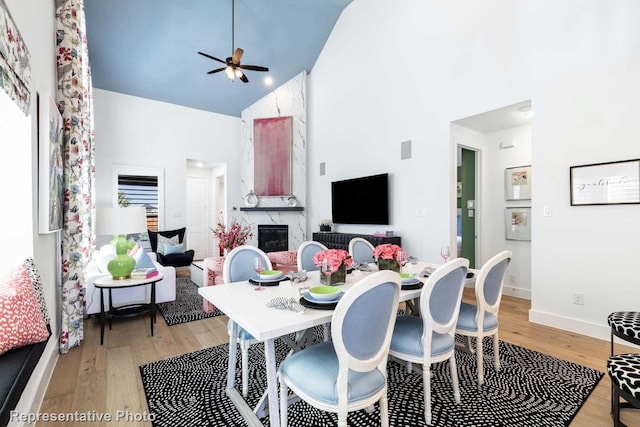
(273, 238)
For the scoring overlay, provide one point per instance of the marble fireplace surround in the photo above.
(287, 100)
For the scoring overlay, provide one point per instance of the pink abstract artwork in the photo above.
(272, 156)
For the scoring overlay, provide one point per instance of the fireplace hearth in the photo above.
(273, 238)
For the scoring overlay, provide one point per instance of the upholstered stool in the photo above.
(212, 275)
(625, 325)
(624, 371)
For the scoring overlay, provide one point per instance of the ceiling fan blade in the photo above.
(211, 57)
(237, 56)
(244, 78)
(253, 67)
(217, 70)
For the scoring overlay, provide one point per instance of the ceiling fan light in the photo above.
(239, 73)
(230, 73)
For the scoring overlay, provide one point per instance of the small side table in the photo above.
(108, 283)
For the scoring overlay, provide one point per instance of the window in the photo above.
(139, 186)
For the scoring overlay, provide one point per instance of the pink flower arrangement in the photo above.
(236, 236)
(386, 251)
(335, 258)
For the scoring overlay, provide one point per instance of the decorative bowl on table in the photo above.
(270, 275)
(325, 293)
(407, 277)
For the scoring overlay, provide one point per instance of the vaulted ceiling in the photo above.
(148, 48)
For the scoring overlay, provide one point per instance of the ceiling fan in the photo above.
(233, 68)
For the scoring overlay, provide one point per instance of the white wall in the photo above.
(136, 131)
(491, 199)
(396, 71)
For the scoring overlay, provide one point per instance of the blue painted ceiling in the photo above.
(148, 48)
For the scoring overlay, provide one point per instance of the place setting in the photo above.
(321, 297)
(264, 277)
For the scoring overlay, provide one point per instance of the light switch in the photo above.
(546, 211)
(471, 204)
(470, 213)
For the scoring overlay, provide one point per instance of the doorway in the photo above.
(466, 212)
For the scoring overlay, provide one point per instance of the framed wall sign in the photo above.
(50, 174)
(612, 183)
(518, 223)
(517, 181)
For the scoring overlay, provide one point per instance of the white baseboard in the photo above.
(578, 326)
(517, 292)
(33, 393)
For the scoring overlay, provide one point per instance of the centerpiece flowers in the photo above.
(237, 235)
(338, 260)
(386, 256)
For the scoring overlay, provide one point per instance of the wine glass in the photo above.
(326, 270)
(258, 267)
(401, 257)
(445, 253)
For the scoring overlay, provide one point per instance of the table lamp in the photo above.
(120, 222)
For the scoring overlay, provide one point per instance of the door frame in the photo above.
(479, 259)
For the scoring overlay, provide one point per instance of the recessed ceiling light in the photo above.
(268, 80)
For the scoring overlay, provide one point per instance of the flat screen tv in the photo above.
(361, 200)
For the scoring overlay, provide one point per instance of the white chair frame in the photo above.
(244, 344)
(430, 326)
(347, 361)
(301, 249)
(483, 307)
(356, 241)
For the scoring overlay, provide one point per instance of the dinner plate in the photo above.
(257, 278)
(266, 282)
(328, 305)
(414, 284)
(311, 298)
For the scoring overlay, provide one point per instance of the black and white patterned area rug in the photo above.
(188, 304)
(531, 389)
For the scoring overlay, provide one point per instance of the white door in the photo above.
(197, 214)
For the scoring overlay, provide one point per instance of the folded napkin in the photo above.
(298, 276)
(282, 303)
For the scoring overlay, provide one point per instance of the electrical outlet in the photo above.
(546, 211)
(421, 212)
(578, 298)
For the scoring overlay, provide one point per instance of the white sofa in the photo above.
(165, 288)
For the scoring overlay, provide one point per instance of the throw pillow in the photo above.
(142, 259)
(36, 282)
(170, 240)
(106, 254)
(21, 320)
(173, 249)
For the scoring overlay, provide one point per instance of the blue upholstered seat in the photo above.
(238, 267)
(481, 319)
(348, 373)
(407, 338)
(467, 319)
(306, 252)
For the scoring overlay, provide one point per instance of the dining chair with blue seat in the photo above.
(430, 338)
(348, 373)
(361, 250)
(238, 267)
(306, 252)
(480, 320)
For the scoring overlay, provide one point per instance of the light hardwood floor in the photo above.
(107, 379)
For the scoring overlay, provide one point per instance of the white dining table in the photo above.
(247, 308)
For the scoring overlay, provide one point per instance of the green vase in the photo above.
(122, 265)
(388, 264)
(339, 277)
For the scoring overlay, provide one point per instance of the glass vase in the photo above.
(388, 264)
(339, 277)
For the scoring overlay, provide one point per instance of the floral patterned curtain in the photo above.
(75, 104)
(15, 66)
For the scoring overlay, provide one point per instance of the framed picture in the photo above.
(50, 172)
(612, 183)
(518, 223)
(272, 156)
(517, 182)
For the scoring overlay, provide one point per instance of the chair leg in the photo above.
(245, 367)
(342, 417)
(409, 367)
(284, 401)
(496, 352)
(469, 346)
(615, 406)
(384, 411)
(454, 378)
(480, 359)
(426, 381)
